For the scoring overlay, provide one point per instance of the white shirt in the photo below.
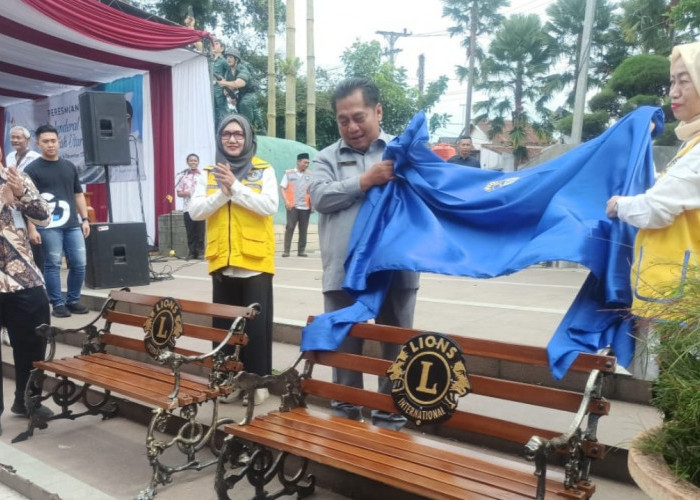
(29, 157)
(674, 192)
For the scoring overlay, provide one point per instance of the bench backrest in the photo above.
(132, 309)
(482, 385)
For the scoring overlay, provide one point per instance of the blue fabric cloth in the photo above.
(442, 218)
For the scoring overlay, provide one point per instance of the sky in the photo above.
(339, 24)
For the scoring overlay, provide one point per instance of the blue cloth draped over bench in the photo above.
(443, 218)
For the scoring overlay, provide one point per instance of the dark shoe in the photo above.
(303, 255)
(77, 308)
(191, 257)
(21, 410)
(285, 254)
(61, 311)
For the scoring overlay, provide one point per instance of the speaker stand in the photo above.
(109, 195)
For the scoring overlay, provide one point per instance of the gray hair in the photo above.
(22, 129)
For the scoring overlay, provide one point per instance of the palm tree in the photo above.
(472, 18)
(520, 54)
(565, 25)
(646, 25)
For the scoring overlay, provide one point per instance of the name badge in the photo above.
(348, 163)
(18, 219)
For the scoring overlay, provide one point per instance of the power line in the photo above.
(391, 37)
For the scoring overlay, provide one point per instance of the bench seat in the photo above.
(400, 459)
(141, 381)
(148, 370)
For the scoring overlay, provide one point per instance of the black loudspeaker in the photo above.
(105, 128)
(117, 255)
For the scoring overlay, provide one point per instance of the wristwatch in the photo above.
(86, 219)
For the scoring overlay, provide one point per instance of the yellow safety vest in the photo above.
(662, 257)
(237, 236)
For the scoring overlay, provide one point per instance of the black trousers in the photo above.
(21, 312)
(302, 217)
(195, 236)
(257, 355)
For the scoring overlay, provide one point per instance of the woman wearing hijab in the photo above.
(668, 213)
(238, 198)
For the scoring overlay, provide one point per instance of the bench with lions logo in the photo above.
(147, 369)
(433, 388)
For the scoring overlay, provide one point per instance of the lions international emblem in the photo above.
(428, 378)
(493, 185)
(163, 326)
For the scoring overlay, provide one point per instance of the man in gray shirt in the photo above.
(343, 172)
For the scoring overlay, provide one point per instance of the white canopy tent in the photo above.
(43, 62)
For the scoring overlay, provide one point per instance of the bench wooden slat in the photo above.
(88, 377)
(128, 384)
(472, 422)
(547, 397)
(188, 329)
(118, 378)
(139, 378)
(519, 353)
(403, 447)
(189, 306)
(374, 466)
(116, 340)
(187, 380)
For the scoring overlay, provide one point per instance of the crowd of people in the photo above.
(42, 204)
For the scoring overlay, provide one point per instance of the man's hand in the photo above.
(225, 178)
(377, 175)
(611, 207)
(34, 235)
(85, 226)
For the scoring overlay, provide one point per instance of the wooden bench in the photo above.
(260, 448)
(146, 369)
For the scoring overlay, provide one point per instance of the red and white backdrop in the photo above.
(52, 50)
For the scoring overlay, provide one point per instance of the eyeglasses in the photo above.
(237, 135)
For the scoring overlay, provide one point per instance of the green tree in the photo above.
(646, 25)
(686, 16)
(472, 18)
(606, 100)
(242, 21)
(644, 74)
(520, 54)
(566, 27)
(613, 50)
(594, 124)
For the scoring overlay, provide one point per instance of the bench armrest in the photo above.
(91, 343)
(289, 380)
(220, 375)
(576, 441)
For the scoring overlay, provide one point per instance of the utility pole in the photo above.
(582, 80)
(421, 73)
(290, 109)
(391, 37)
(310, 76)
(271, 82)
